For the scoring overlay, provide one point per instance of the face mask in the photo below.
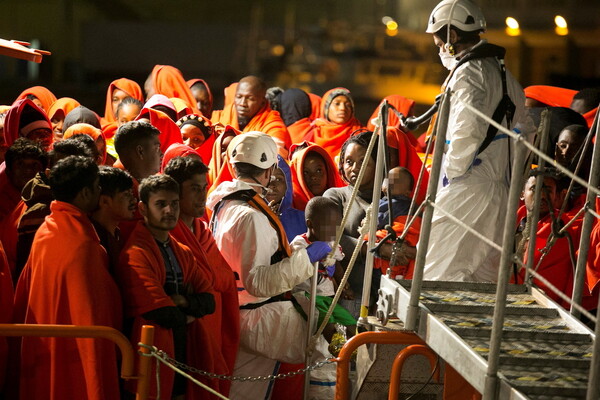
(448, 61)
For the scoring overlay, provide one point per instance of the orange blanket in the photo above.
(169, 81)
(408, 158)
(6, 310)
(66, 281)
(299, 129)
(169, 132)
(141, 275)
(403, 105)
(302, 193)
(412, 237)
(224, 324)
(128, 86)
(45, 96)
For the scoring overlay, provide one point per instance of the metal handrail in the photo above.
(343, 360)
(403, 355)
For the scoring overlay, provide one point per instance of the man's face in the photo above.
(566, 148)
(152, 155)
(547, 198)
(122, 205)
(277, 186)
(248, 101)
(192, 136)
(162, 211)
(315, 174)
(193, 196)
(24, 170)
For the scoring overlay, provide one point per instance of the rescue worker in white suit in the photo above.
(254, 244)
(475, 176)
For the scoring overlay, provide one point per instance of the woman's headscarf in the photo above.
(63, 105)
(169, 132)
(45, 96)
(128, 86)
(193, 82)
(168, 80)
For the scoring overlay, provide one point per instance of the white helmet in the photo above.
(463, 14)
(256, 148)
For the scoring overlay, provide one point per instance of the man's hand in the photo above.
(180, 301)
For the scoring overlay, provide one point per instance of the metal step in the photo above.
(545, 352)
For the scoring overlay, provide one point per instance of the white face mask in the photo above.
(448, 61)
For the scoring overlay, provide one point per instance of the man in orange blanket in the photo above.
(556, 266)
(223, 324)
(66, 281)
(162, 285)
(250, 111)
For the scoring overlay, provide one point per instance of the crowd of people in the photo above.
(206, 222)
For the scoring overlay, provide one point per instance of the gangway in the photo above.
(545, 353)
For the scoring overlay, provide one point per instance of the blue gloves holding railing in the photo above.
(317, 251)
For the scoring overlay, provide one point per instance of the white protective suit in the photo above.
(477, 188)
(275, 331)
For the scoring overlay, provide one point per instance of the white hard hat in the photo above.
(462, 14)
(256, 148)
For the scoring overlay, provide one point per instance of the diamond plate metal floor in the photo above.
(545, 352)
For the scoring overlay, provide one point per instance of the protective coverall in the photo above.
(274, 331)
(475, 185)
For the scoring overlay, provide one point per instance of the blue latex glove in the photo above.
(330, 270)
(317, 250)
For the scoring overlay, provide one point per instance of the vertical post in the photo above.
(506, 260)
(593, 391)
(434, 178)
(539, 184)
(310, 327)
(379, 170)
(588, 223)
(143, 385)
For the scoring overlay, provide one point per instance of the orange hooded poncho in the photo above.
(327, 134)
(168, 80)
(302, 193)
(128, 86)
(45, 96)
(169, 132)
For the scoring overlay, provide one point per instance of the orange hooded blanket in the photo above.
(126, 85)
(66, 281)
(63, 105)
(9, 234)
(224, 324)
(93, 132)
(219, 169)
(327, 134)
(6, 311)
(141, 275)
(266, 120)
(551, 95)
(169, 81)
(192, 82)
(412, 237)
(13, 119)
(45, 96)
(408, 158)
(169, 132)
(403, 105)
(302, 193)
(315, 101)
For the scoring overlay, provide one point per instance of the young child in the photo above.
(323, 218)
(397, 190)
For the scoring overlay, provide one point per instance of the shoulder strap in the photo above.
(506, 107)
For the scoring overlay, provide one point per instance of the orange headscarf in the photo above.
(327, 134)
(181, 107)
(403, 105)
(128, 86)
(169, 132)
(551, 95)
(177, 150)
(64, 105)
(45, 96)
(192, 82)
(169, 81)
(229, 93)
(91, 131)
(302, 193)
(315, 101)
(219, 169)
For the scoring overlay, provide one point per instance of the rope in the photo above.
(594, 213)
(313, 340)
(519, 138)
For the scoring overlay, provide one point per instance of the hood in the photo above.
(225, 189)
(22, 111)
(286, 202)
(126, 85)
(295, 105)
(64, 105)
(81, 115)
(45, 96)
(37, 191)
(176, 150)
(169, 132)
